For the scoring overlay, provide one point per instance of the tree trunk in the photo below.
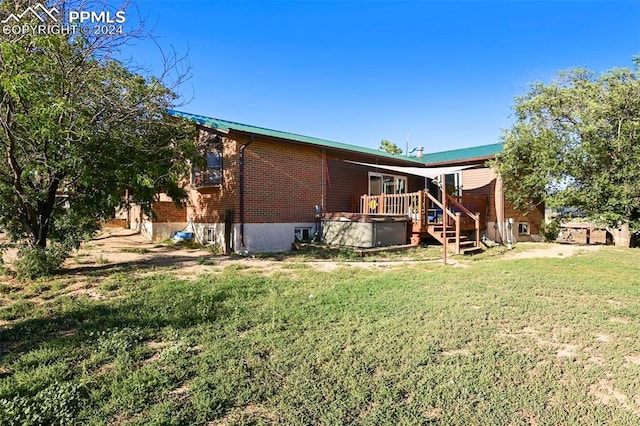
(621, 235)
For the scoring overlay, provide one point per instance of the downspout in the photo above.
(242, 181)
(499, 204)
(323, 177)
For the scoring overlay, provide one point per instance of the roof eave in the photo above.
(328, 148)
(462, 161)
(208, 127)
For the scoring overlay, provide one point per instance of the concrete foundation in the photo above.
(497, 232)
(258, 237)
(204, 231)
(268, 237)
(160, 231)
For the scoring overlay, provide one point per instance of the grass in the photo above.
(531, 341)
(313, 252)
(137, 250)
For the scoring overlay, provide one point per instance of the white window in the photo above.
(523, 228)
(209, 236)
(209, 171)
(386, 184)
(303, 234)
(454, 183)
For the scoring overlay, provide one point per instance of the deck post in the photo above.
(422, 217)
(458, 216)
(477, 229)
(444, 218)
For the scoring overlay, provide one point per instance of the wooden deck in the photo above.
(460, 225)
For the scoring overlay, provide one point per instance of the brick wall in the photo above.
(350, 181)
(167, 211)
(283, 182)
(209, 204)
(206, 204)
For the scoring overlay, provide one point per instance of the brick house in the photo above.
(259, 189)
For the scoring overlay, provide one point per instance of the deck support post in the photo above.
(444, 218)
(477, 229)
(421, 211)
(458, 215)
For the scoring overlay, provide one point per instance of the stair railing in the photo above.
(475, 217)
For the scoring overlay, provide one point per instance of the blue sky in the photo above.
(443, 73)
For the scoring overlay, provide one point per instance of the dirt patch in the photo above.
(128, 249)
(181, 392)
(433, 413)
(620, 320)
(605, 393)
(460, 352)
(552, 250)
(252, 412)
(597, 360)
(156, 346)
(569, 351)
(605, 338)
(125, 250)
(633, 359)
(529, 417)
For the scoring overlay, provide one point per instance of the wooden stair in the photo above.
(426, 215)
(466, 245)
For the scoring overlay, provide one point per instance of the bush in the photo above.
(550, 230)
(35, 262)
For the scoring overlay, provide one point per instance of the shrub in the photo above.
(35, 262)
(550, 230)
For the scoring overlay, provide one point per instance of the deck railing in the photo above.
(461, 213)
(467, 218)
(393, 204)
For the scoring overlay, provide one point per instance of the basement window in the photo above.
(209, 236)
(303, 234)
(523, 228)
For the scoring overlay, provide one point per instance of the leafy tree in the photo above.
(390, 147)
(77, 129)
(576, 143)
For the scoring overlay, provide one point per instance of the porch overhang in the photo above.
(427, 172)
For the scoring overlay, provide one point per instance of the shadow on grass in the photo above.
(154, 261)
(312, 252)
(115, 233)
(73, 320)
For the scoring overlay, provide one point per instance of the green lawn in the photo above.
(517, 342)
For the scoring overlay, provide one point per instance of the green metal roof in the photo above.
(463, 154)
(230, 125)
(427, 159)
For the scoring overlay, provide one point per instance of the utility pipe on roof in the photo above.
(242, 182)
